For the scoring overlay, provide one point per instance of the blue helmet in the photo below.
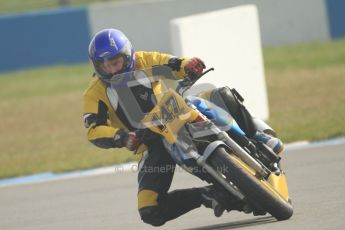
(109, 44)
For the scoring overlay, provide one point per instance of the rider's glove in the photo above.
(126, 139)
(132, 142)
(194, 67)
(174, 63)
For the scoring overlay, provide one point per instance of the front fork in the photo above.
(202, 161)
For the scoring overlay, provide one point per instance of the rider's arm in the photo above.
(148, 59)
(95, 120)
(100, 133)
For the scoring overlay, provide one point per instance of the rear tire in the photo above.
(250, 186)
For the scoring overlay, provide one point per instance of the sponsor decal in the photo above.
(113, 43)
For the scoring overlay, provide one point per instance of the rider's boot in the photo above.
(265, 134)
(211, 198)
(231, 101)
(232, 204)
(243, 206)
(209, 201)
(272, 142)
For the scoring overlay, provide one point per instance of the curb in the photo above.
(49, 176)
(307, 144)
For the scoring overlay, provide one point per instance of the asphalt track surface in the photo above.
(316, 179)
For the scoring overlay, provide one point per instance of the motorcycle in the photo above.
(203, 139)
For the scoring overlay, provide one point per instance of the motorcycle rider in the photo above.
(108, 127)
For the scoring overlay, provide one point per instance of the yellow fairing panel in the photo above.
(280, 184)
(169, 115)
(270, 184)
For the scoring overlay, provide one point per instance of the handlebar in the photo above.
(188, 81)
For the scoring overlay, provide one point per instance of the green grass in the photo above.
(41, 109)
(313, 56)
(15, 6)
(306, 85)
(42, 127)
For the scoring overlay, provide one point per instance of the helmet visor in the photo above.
(109, 66)
(112, 66)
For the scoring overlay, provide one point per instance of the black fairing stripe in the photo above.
(102, 115)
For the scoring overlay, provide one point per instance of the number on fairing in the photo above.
(168, 111)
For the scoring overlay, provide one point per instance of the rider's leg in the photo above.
(157, 206)
(253, 127)
(224, 98)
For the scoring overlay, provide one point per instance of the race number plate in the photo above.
(169, 115)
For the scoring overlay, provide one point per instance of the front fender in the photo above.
(209, 150)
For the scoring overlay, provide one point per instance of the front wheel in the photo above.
(257, 191)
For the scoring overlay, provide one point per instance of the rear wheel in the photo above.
(258, 192)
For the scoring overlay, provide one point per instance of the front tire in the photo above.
(258, 192)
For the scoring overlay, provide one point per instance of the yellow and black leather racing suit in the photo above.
(104, 119)
(100, 117)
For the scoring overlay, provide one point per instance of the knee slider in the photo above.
(151, 215)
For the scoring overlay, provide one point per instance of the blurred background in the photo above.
(44, 70)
